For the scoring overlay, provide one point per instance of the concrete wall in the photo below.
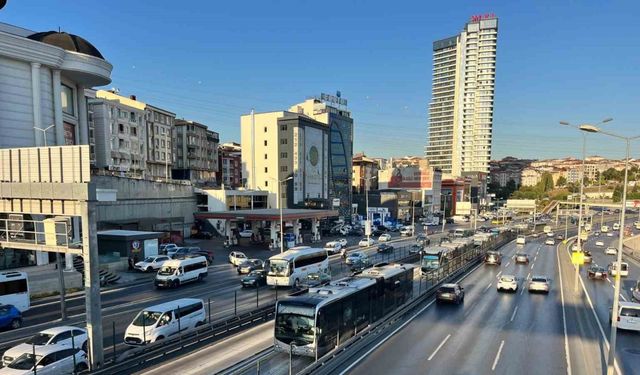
(632, 246)
(143, 199)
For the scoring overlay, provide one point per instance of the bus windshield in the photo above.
(166, 271)
(278, 267)
(294, 323)
(430, 262)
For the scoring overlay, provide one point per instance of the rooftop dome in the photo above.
(68, 42)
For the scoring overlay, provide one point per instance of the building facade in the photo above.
(461, 108)
(159, 144)
(230, 165)
(287, 148)
(196, 152)
(416, 175)
(120, 133)
(365, 174)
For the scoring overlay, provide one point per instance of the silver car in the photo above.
(539, 284)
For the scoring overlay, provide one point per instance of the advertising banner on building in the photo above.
(406, 177)
(314, 159)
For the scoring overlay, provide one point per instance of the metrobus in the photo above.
(292, 267)
(432, 259)
(14, 290)
(324, 317)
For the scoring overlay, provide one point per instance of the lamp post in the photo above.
(280, 182)
(444, 210)
(616, 295)
(366, 200)
(584, 156)
(44, 132)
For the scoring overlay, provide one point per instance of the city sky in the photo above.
(212, 61)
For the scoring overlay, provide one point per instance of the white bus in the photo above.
(14, 290)
(292, 267)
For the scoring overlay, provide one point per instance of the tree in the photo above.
(546, 182)
(562, 181)
(612, 175)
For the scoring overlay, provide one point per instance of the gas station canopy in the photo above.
(267, 214)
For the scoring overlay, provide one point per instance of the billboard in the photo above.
(314, 163)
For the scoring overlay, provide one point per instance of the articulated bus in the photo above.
(292, 267)
(321, 319)
(14, 290)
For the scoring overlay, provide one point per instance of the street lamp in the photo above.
(444, 210)
(586, 129)
(366, 199)
(44, 132)
(616, 296)
(280, 182)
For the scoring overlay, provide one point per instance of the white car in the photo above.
(366, 242)
(609, 234)
(384, 237)
(624, 269)
(507, 283)
(152, 263)
(237, 257)
(628, 316)
(60, 336)
(247, 233)
(49, 360)
(616, 226)
(521, 240)
(549, 241)
(599, 243)
(575, 247)
(342, 241)
(611, 251)
(165, 247)
(539, 284)
(406, 231)
(333, 247)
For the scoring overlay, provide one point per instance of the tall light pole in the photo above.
(366, 200)
(444, 210)
(280, 182)
(584, 156)
(44, 132)
(616, 296)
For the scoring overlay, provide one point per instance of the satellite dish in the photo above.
(3, 3)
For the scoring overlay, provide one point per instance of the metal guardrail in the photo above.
(137, 358)
(332, 361)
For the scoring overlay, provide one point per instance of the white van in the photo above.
(521, 240)
(628, 316)
(176, 272)
(161, 321)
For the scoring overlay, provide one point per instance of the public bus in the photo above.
(14, 290)
(292, 267)
(433, 258)
(324, 317)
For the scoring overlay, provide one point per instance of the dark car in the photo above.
(360, 265)
(250, 265)
(493, 257)
(522, 258)
(560, 237)
(202, 235)
(416, 248)
(254, 279)
(423, 239)
(449, 220)
(377, 232)
(202, 252)
(384, 248)
(453, 293)
(597, 272)
(10, 317)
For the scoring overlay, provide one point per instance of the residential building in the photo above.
(506, 169)
(42, 81)
(461, 109)
(159, 143)
(365, 173)
(332, 111)
(530, 177)
(416, 175)
(119, 128)
(282, 145)
(230, 165)
(196, 152)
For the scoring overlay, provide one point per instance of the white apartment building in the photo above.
(461, 108)
(120, 133)
(159, 126)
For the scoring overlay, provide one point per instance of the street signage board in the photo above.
(577, 258)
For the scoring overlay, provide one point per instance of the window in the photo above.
(283, 127)
(265, 129)
(134, 131)
(162, 143)
(164, 156)
(283, 141)
(266, 170)
(266, 183)
(61, 337)
(67, 100)
(284, 168)
(121, 128)
(12, 287)
(265, 142)
(190, 309)
(157, 155)
(283, 155)
(265, 156)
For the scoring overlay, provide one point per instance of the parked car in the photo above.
(365, 242)
(10, 317)
(596, 272)
(384, 237)
(522, 258)
(237, 257)
(246, 233)
(204, 235)
(254, 279)
(250, 265)
(61, 336)
(152, 263)
(507, 283)
(48, 360)
(165, 247)
(177, 252)
(539, 284)
(316, 279)
(453, 293)
(384, 248)
(355, 256)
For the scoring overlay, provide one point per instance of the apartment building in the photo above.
(365, 173)
(230, 165)
(461, 108)
(159, 129)
(196, 152)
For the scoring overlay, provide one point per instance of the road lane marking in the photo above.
(406, 322)
(488, 286)
(495, 361)
(535, 258)
(498, 275)
(528, 275)
(515, 310)
(532, 265)
(508, 263)
(439, 347)
(522, 291)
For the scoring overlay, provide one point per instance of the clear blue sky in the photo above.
(212, 61)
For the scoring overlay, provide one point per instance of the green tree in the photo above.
(546, 182)
(562, 181)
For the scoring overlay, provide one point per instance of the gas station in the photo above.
(269, 218)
